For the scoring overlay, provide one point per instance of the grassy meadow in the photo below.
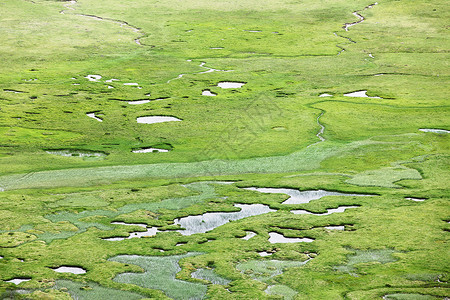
(75, 192)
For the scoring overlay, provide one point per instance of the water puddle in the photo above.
(109, 87)
(150, 150)
(138, 102)
(156, 119)
(264, 253)
(17, 281)
(416, 199)
(151, 231)
(94, 78)
(434, 130)
(230, 84)
(76, 153)
(93, 116)
(340, 227)
(67, 269)
(130, 224)
(209, 221)
(298, 197)
(325, 95)
(360, 94)
(249, 235)
(330, 211)
(210, 275)
(275, 237)
(208, 93)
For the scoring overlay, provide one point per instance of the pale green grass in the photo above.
(410, 297)
(286, 292)
(386, 177)
(366, 256)
(264, 270)
(210, 275)
(92, 291)
(160, 274)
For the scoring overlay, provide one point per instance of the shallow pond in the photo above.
(434, 130)
(249, 235)
(230, 84)
(150, 150)
(151, 231)
(138, 102)
(360, 94)
(298, 197)
(330, 211)
(156, 119)
(93, 116)
(67, 269)
(341, 227)
(209, 221)
(415, 199)
(208, 93)
(17, 281)
(275, 237)
(94, 78)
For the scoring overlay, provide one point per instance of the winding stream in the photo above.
(69, 6)
(346, 26)
(330, 211)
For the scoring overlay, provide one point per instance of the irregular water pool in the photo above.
(156, 119)
(301, 197)
(209, 221)
(275, 237)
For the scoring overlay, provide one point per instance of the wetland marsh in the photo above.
(224, 150)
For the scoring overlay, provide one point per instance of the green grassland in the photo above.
(65, 176)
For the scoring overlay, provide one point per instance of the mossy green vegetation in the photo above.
(75, 76)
